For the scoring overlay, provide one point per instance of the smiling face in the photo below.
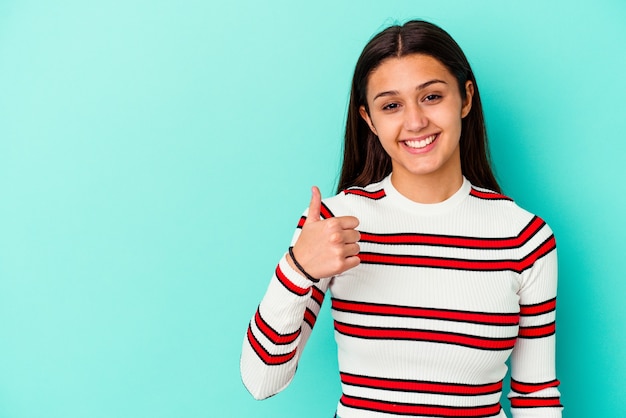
(415, 108)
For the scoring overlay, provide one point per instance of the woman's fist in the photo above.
(326, 247)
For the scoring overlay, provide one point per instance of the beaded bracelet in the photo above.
(307, 275)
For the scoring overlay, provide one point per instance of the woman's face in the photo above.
(415, 109)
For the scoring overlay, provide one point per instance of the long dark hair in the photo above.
(364, 159)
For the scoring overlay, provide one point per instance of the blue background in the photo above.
(155, 157)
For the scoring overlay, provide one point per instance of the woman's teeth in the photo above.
(421, 143)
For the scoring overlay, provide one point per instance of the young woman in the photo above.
(435, 277)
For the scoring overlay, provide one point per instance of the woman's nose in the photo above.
(415, 119)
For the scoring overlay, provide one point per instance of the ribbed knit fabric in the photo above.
(444, 294)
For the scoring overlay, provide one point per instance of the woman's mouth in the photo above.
(420, 143)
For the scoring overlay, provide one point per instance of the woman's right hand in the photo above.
(326, 247)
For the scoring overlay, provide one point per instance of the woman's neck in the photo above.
(427, 188)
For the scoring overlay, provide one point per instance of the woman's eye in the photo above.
(391, 106)
(432, 97)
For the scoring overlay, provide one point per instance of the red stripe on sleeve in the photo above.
(543, 249)
(309, 317)
(317, 295)
(271, 334)
(518, 402)
(300, 291)
(538, 331)
(539, 308)
(525, 388)
(264, 355)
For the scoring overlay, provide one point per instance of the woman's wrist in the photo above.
(298, 266)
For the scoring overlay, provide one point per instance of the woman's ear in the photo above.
(367, 119)
(467, 103)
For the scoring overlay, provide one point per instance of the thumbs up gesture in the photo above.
(326, 247)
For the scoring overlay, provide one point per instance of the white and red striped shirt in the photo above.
(444, 294)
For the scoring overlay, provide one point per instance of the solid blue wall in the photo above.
(155, 157)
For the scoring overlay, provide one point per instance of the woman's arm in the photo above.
(534, 386)
(279, 331)
(324, 246)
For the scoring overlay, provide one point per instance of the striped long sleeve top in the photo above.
(444, 295)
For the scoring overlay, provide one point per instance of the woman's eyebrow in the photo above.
(420, 87)
(428, 83)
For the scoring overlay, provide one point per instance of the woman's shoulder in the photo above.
(487, 194)
(498, 206)
(349, 199)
